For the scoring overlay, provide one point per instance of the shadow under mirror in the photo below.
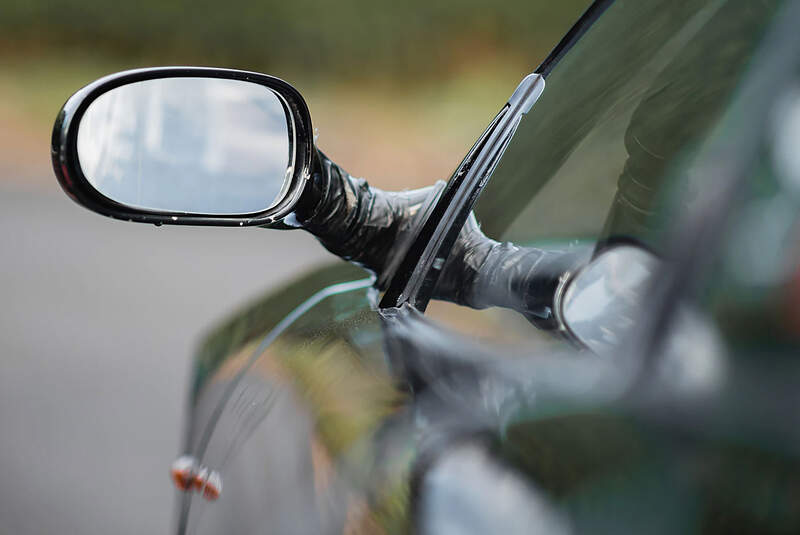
(188, 145)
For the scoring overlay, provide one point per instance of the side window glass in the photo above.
(637, 96)
(597, 159)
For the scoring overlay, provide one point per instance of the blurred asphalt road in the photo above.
(97, 325)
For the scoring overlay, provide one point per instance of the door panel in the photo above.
(286, 419)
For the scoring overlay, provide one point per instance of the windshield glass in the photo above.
(605, 152)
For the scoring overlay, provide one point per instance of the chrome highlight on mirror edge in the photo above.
(73, 179)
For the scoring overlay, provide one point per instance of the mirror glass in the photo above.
(603, 301)
(188, 145)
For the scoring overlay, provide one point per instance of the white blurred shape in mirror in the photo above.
(188, 145)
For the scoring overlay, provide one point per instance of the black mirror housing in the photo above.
(71, 175)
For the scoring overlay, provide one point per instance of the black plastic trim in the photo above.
(586, 20)
(68, 170)
(418, 258)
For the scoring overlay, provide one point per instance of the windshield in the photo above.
(605, 153)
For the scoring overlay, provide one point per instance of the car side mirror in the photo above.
(185, 145)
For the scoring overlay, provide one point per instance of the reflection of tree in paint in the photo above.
(187, 145)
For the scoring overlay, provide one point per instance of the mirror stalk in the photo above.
(366, 225)
(358, 222)
(481, 272)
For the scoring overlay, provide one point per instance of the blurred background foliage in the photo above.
(347, 38)
(398, 90)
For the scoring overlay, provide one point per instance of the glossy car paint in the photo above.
(247, 409)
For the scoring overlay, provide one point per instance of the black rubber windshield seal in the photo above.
(574, 34)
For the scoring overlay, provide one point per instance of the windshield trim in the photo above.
(418, 272)
(581, 26)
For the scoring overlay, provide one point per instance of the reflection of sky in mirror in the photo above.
(198, 145)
